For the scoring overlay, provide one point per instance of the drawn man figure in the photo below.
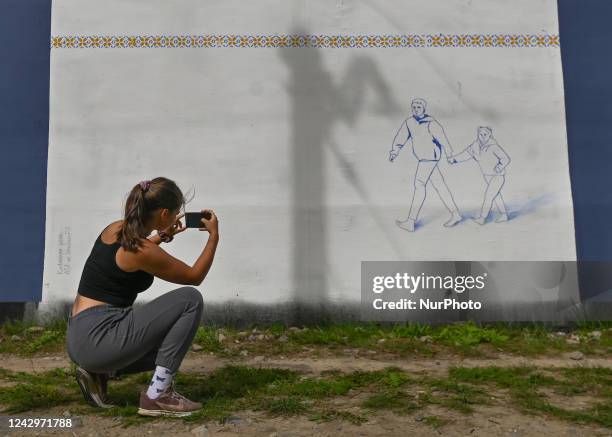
(428, 142)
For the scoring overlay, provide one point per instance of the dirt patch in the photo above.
(484, 421)
(205, 362)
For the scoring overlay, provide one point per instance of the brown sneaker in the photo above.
(169, 403)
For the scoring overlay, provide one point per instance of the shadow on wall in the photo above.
(516, 209)
(318, 102)
(241, 315)
(530, 205)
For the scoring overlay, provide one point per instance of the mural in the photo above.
(428, 143)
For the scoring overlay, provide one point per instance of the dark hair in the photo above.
(140, 206)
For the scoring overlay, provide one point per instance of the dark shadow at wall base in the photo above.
(10, 311)
(240, 315)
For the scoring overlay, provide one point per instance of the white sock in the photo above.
(162, 378)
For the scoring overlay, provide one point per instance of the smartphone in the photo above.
(194, 219)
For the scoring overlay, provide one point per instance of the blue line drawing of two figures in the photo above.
(429, 141)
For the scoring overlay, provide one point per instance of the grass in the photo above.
(281, 392)
(455, 395)
(34, 391)
(466, 335)
(207, 337)
(399, 340)
(32, 339)
(525, 388)
(331, 414)
(466, 339)
(284, 406)
(394, 400)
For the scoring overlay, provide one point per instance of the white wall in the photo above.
(290, 145)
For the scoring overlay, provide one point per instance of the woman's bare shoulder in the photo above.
(113, 225)
(109, 232)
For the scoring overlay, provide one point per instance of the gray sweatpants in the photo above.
(107, 338)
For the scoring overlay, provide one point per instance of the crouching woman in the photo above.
(106, 335)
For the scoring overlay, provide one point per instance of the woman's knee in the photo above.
(191, 294)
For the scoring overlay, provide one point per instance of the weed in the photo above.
(466, 335)
(395, 400)
(285, 406)
(208, 338)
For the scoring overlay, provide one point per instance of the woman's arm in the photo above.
(204, 262)
(156, 261)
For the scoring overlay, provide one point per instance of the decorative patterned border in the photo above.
(316, 41)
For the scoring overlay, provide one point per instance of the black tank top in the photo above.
(103, 280)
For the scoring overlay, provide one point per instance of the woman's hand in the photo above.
(211, 225)
(177, 227)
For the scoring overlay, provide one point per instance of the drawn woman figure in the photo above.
(493, 161)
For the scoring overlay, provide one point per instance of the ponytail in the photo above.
(141, 203)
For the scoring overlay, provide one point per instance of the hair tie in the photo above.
(145, 185)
